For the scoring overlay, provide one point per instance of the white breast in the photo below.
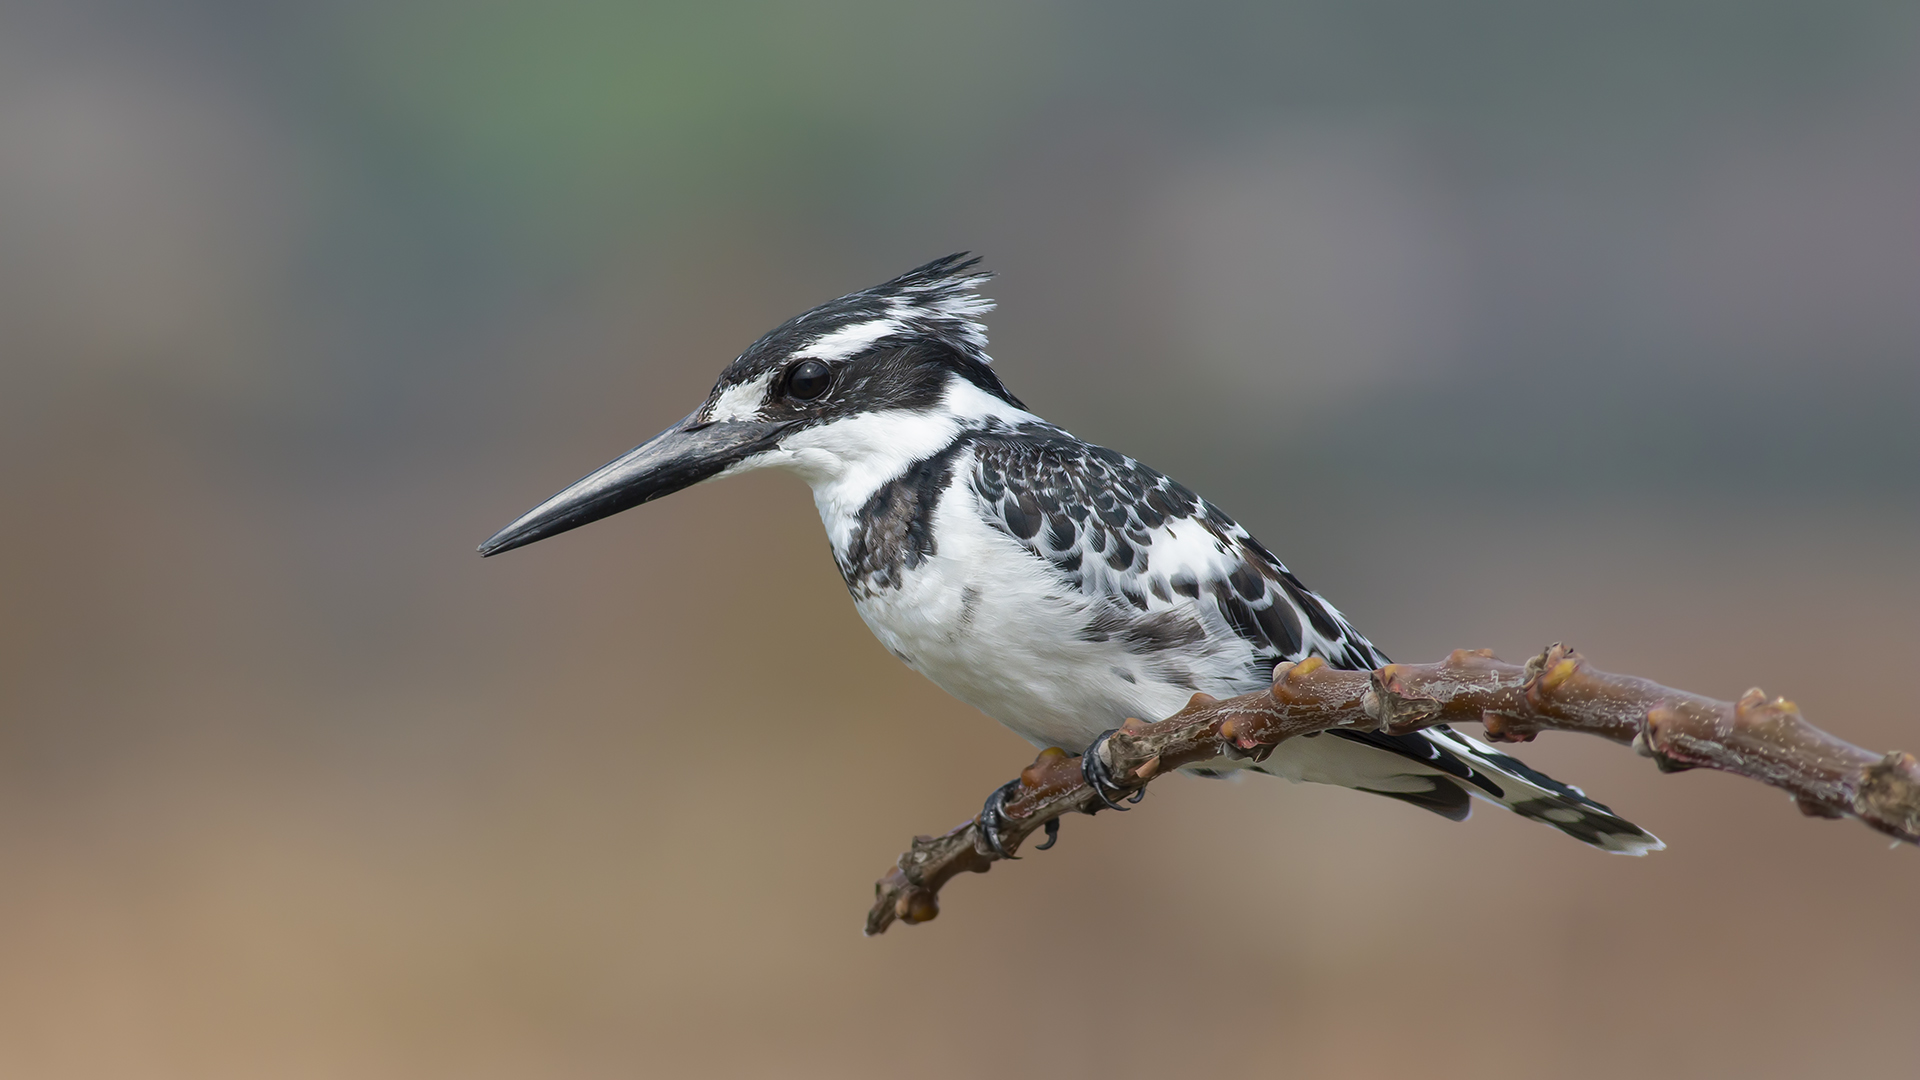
(992, 625)
(983, 617)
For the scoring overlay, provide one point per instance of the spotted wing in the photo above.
(1123, 533)
(1169, 573)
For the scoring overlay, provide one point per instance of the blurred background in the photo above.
(1504, 323)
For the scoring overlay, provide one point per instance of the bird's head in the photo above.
(862, 384)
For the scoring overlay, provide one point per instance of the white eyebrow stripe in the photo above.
(741, 402)
(848, 340)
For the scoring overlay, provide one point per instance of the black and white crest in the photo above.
(892, 346)
(940, 300)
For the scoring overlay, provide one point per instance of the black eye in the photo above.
(808, 380)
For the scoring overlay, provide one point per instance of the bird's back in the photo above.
(1061, 587)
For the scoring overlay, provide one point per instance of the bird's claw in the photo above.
(1093, 766)
(1053, 833)
(993, 818)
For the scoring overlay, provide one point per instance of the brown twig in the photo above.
(1757, 737)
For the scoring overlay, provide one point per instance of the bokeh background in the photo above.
(1503, 322)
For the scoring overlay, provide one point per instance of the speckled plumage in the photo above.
(1058, 586)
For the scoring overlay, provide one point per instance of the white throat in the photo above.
(847, 460)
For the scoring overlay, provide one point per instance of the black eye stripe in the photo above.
(808, 379)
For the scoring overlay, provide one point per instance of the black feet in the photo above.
(1052, 828)
(1099, 776)
(1093, 766)
(993, 818)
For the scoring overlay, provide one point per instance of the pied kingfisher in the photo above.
(1057, 586)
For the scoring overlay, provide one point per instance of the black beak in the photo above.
(681, 456)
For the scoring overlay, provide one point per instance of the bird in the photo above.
(1057, 586)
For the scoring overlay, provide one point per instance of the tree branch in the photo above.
(1756, 737)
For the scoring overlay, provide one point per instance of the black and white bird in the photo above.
(1057, 586)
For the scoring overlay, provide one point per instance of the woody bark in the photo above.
(1762, 738)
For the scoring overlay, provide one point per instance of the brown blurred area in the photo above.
(1502, 327)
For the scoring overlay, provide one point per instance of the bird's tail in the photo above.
(1474, 768)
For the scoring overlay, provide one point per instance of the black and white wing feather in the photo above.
(1207, 607)
(1116, 529)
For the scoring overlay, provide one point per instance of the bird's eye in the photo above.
(808, 380)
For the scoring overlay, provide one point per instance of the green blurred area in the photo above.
(578, 108)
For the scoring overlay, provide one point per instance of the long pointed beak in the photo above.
(681, 456)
